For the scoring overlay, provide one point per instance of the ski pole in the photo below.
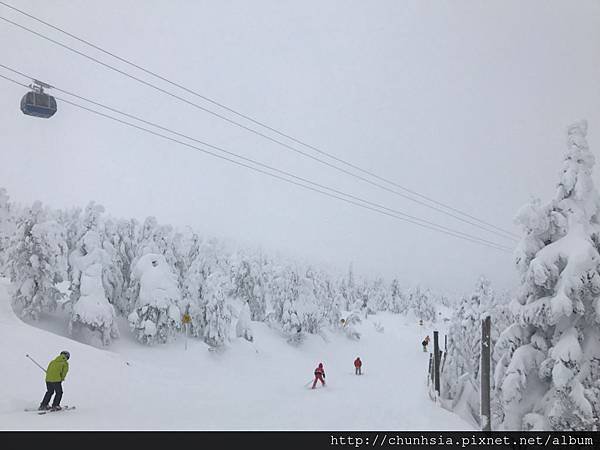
(35, 362)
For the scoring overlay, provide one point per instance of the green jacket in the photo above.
(57, 369)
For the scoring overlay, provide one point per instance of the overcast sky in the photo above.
(466, 102)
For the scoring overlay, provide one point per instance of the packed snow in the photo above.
(258, 385)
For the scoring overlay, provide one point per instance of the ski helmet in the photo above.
(66, 353)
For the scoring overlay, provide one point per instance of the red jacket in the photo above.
(357, 362)
(319, 371)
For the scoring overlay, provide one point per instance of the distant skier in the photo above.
(357, 366)
(319, 375)
(425, 343)
(55, 375)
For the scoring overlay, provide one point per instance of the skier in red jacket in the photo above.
(357, 366)
(319, 375)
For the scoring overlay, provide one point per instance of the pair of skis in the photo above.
(46, 411)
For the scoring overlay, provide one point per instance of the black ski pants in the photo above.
(53, 387)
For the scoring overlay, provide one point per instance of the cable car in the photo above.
(37, 103)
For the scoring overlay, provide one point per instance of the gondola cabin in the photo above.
(37, 103)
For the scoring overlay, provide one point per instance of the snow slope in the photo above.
(251, 386)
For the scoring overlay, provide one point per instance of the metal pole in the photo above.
(485, 374)
(35, 362)
(430, 371)
(436, 362)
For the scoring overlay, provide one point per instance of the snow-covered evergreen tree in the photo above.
(71, 221)
(156, 316)
(112, 273)
(91, 309)
(193, 302)
(125, 245)
(186, 248)
(333, 301)
(398, 301)
(243, 327)
(148, 236)
(348, 325)
(380, 298)
(460, 377)
(307, 306)
(38, 262)
(156, 238)
(348, 290)
(551, 381)
(249, 286)
(421, 303)
(7, 228)
(289, 317)
(210, 259)
(217, 312)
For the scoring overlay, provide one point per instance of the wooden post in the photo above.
(186, 335)
(486, 424)
(436, 362)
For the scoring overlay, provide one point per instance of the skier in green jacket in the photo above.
(55, 375)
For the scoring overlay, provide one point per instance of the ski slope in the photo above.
(250, 386)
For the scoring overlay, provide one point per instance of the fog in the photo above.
(464, 102)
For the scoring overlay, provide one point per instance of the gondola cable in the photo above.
(357, 201)
(486, 226)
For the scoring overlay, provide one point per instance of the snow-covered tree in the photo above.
(113, 278)
(243, 327)
(209, 260)
(249, 286)
(289, 317)
(461, 378)
(7, 228)
(156, 238)
(147, 237)
(398, 301)
(217, 313)
(193, 302)
(156, 316)
(186, 248)
(91, 309)
(348, 325)
(551, 381)
(421, 303)
(307, 306)
(348, 290)
(333, 303)
(71, 221)
(38, 262)
(124, 248)
(380, 298)
(92, 217)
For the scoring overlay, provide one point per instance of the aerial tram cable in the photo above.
(262, 124)
(489, 227)
(410, 218)
(319, 189)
